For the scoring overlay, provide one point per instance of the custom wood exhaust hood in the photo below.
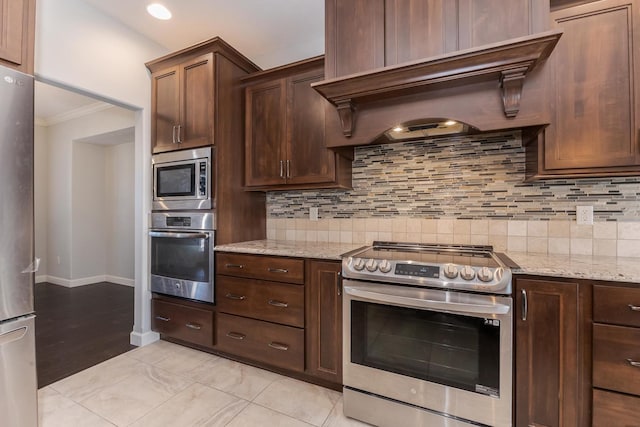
(507, 63)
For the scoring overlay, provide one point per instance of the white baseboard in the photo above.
(73, 283)
(142, 339)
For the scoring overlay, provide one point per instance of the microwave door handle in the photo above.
(428, 304)
(175, 235)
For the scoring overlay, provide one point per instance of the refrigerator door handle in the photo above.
(11, 336)
(33, 267)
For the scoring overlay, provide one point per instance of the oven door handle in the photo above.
(175, 235)
(428, 304)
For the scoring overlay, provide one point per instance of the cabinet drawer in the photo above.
(270, 301)
(614, 349)
(616, 305)
(278, 269)
(185, 323)
(614, 409)
(277, 345)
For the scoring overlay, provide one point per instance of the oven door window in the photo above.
(449, 349)
(176, 180)
(181, 258)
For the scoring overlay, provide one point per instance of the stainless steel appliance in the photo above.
(18, 385)
(427, 335)
(182, 258)
(183, 180)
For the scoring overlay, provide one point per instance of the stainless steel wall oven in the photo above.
(182, 257)
(426, 344)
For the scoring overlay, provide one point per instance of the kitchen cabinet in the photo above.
(362, 35)
(17, 34)
(616, 355)
(552, 362)
(182, 109)
(260, 304)
(184, 320)
(285, 132)
(594, 127)
(324, 320)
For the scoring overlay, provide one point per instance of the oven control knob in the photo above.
(372, 265)
(450, 271)
(385, 266)
(467, 273)
(358, 264)
(485, 274)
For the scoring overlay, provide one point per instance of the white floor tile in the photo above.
(258, 416)
(55, 410)
(300, 400)
(235, 378)
(198, 405)
(181, 360)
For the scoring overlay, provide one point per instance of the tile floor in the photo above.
(164, 384)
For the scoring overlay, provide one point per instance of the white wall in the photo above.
(40, 196)
(78, 47)
(119, 168)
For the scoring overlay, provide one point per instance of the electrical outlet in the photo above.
(584, 215)
(313, 214)
(58, 259)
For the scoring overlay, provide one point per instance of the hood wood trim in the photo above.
(507, 62)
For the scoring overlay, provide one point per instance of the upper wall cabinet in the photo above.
(596, 102)
(362, 35)
(185, 102)
(17, 34)
(285, 132)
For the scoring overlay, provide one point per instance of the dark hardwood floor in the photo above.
(77, 328)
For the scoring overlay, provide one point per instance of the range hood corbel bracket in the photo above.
(346, 112)
(512, 82)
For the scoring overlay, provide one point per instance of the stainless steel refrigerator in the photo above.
(18, 385)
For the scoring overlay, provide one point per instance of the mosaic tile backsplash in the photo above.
(467, 191)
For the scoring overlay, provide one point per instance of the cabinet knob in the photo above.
(279, 346)
(193, 326)
(634, 307)
(276, 303)
(236, 335)
(235, 297)
(164, 319)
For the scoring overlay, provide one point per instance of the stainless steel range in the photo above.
(427, 335)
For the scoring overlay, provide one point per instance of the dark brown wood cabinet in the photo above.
(324, 320)
(187, 321)
(285, 132)
(181, 104)
(616, 356)
(17, 34)
(595, 97)
(552, 374)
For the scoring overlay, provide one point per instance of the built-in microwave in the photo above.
(183, 180)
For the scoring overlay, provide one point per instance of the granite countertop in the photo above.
(615, 269)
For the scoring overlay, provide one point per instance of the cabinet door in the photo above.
(546, 353)
(165, 109)
(594, 65)
(324, 321)
(196, 102)
(265, 133)
(12, 13)
(308, 160)
(354, 39)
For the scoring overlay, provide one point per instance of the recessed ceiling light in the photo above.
(450, 123)
(159, 11)
(398, 129)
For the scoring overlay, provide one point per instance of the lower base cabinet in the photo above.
(184, 322)
(274, 344)
(615, 409)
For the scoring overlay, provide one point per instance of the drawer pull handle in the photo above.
(236, 297)
(277, 270)
(634, 307)
(193, 326)
(234, 266)
(164, 319)
(236, 335)
(633, 363)
(276, 303)
(279, 346)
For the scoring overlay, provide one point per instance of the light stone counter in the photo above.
(330, 251)
(617, 269)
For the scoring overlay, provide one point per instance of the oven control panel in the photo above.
(462, 277)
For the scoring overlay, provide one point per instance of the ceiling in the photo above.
(269, 32)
